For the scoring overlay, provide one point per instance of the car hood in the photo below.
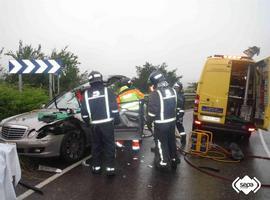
(29, 119)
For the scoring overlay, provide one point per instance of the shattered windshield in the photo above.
(67, 100)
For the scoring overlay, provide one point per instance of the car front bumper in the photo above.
(48, 146)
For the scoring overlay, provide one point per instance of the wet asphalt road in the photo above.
(138, 179)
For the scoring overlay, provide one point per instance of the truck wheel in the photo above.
(73, 146)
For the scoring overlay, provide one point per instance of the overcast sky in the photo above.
(114, 36)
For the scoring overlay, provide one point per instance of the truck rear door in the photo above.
(213, 90)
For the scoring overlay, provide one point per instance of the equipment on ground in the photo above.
(200, 141)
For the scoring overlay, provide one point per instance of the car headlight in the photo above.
(32, 134)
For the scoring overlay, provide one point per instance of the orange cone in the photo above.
(135, 145)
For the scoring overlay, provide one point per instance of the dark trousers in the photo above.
(164, 134)
(103, 141)
(179, 124)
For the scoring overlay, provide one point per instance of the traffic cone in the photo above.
(135, 145)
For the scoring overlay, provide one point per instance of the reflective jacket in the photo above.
(99, 105)
(180, 105)
(162, 105)
(129, 98)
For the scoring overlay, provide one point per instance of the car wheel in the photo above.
(73, 146)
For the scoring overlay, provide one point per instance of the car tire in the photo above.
(73, 146)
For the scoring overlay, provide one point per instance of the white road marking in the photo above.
(52, 178)
(263, 143)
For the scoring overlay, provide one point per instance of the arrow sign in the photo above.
(23, 66)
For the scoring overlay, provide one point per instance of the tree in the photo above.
(144, 71)
(70, 77)
(2, 71)
(192, 87)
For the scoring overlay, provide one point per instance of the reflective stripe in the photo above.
(151, 114)
(175, 95)
(85, 116)
(107, 102)
(161, 106)
(109, 169)
(96, 97)
(96, 168)
(115, 111)
(119, 144)
(169, 97)
(157, 76)
(130, 106)
(160, 154)
(162, 163)
(87, 103)
(182, 133)
(165, 121)
(101, 121)
(181, 111)
(135, 148)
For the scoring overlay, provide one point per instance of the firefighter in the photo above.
(99, 109)
(180, 111)
(162, 111)
(129, 99)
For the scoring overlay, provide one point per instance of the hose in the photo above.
(224, 157)
(216, 153)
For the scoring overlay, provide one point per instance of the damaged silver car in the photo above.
(58, 129)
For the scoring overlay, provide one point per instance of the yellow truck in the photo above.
(233, 95)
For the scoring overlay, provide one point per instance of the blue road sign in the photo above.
(34, 66)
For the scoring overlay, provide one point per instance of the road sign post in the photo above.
(20, 82)
(50, 86)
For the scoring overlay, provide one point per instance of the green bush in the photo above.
(13, 102)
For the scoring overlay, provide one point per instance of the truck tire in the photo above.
(73, 146)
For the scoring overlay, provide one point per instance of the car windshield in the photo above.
(67, 100)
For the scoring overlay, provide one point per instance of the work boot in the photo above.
(183, 138)
(110, 171)
(135, 145)
(96, 169)
(175, 162)
(162, 166)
